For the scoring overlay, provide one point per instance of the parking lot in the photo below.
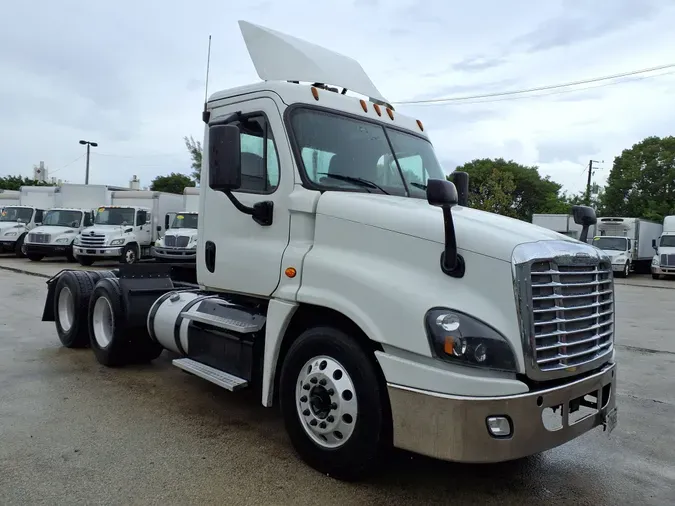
(74, 432)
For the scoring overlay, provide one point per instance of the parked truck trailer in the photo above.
(374, 311)
(563, 224)
(17, 220)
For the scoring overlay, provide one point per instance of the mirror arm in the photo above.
(583, 237)
(452, 263)
(261, 212)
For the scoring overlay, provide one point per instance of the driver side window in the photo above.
(259, 160)
(141, 218)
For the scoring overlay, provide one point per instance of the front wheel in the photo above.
(34, 257)
(334, 404)
(626, 270)
(129, 255)
(20, 248)
(656, 276)
(85, 261)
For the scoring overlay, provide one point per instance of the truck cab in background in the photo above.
(663, 262)
(55, 236)
(179, 243)
(15, 223)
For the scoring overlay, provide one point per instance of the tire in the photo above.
(365, 431)
(69, 256)
(129, 254)
(18, 247)
(656, 276)
(113, 344)
(35, 258)
(85, 261)
(626, 270)
(71, 308)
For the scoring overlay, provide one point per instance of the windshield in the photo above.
(667, 241)
(114, 216)
(23, 214)
(344, 153)
(185, 221)
(61, 218)
(610, 243)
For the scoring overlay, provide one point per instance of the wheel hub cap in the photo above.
(326, 402)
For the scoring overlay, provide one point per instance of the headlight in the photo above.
(63, 240)
(11, 233)
(655, 261)
(76, 241)
(460, 338)
(116, 242)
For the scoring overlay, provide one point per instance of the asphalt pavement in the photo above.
(74, 432)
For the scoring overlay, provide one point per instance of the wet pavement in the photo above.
(74, 432)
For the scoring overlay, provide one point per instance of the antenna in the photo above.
(205, 113)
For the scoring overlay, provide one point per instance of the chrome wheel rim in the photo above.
(130, 256)
(66, 309)
(326, 402)
(103, 322)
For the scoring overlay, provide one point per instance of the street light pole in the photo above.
(89, 145)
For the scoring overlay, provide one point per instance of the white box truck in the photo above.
(663, 262)
(73, 211)
(9, 198)
(374, 312)
(561, 223)
(179, 243)
(126, 229)
(17, 220)
(628, 242)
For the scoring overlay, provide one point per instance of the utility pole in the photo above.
(588, 181)
(89, 144)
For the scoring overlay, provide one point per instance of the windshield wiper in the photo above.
(418, 185)
(356, 180)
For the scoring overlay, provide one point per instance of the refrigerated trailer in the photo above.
(563, 224)
(628, 242)
(373, 311)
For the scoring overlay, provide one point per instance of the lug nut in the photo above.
(313, 423)
(331, 391)
(322, 382)
(322, 425)
(306, 412)
(312, 381)
(305, 386)
(303, 398)
(333, 406)
(330, 419)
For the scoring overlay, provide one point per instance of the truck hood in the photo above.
(55, 230)
(612, 254)
(477, 231)
(6, 225)
(182, 232)
(107, 230)
(666, 250)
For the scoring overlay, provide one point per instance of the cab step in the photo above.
(215, 376)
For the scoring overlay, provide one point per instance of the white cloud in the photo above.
(130, 76)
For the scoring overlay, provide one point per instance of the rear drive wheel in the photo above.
(71, 300)
(334, 405)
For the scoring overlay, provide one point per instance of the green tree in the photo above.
(195, 150)
(494, 194)
(16, 182)
(642, 180)
(531, 193)
(173, 183)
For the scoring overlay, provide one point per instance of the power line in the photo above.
(68, 164)
(535, 89)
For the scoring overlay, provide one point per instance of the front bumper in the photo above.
(666, 270)
(619, 267)
(98, 251)
(6, 243)
(48, 250)
(455, 428)
(174, 254)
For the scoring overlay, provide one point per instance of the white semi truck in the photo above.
(17, 220)
(663, 262)
(628, 242)
(179, 243)
(73, 211)
(561, 223)
(373, 311)
(126, 229)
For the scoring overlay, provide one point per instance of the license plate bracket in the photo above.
(609, 420)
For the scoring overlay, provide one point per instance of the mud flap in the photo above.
(48, 311)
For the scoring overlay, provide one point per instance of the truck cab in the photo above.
(663, 262)
(55, 236)
(619, 249)
(117, 233)
(179, 243)
(15, 223)
(342, 275)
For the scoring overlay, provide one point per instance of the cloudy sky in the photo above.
(130, 76)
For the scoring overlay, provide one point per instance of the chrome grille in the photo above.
(38, 238)
(668, 260)
(170, 241)
(90, 239)
(567, 310)
(182, 241)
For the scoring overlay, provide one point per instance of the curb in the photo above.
(645, 285)
(22, 271)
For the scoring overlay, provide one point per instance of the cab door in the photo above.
(236, 253)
